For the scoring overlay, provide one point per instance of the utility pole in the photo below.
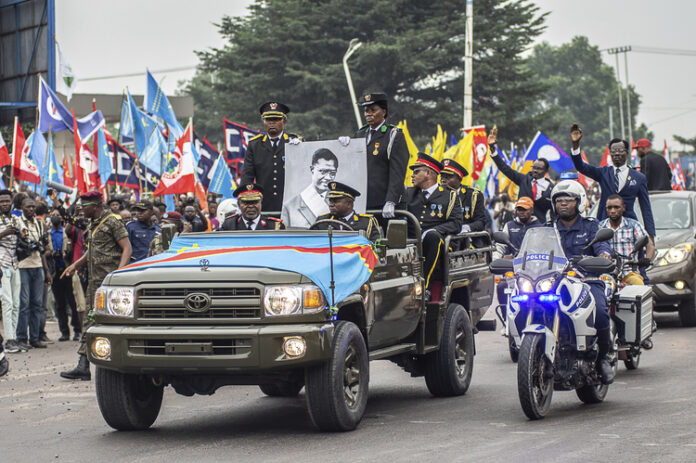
(611, 124)
(354, 45)
(615, 52)
(468, 63)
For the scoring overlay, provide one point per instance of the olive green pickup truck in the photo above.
(197, 329)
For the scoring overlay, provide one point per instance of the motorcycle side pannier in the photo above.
(634, 313)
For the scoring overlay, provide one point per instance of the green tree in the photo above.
(581, 88)
(691, 142)
(412, 51)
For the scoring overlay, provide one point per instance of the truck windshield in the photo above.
(540, 253)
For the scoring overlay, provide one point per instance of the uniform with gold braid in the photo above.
(250, 192)
(366, 222)
(470, 199)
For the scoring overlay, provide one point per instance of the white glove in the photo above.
(344, 140)
(466, 228)
(294, 141)
(388, 210)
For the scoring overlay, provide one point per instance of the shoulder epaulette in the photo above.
(441, 189)
(453, 201)
(394, 126)
(274, 219)
(366, 215)
(257, 136)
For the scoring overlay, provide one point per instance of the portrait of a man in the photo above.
(302, 210)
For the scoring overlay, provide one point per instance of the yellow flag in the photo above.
(439, 143)
(463, 156)
(412, 150)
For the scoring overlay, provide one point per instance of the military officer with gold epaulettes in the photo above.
(437, 210)
(264, 162)
(470, 199)
(341, 200)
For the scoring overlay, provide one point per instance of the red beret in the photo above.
(643, 143)
(172, 215)
(92, 196)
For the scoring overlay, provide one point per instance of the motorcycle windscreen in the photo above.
(540, 253)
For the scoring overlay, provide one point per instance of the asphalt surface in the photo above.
(649, 415)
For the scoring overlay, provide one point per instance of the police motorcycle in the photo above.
(630, 308)
(551, 314)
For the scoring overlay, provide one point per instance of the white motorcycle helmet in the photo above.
(570, 188)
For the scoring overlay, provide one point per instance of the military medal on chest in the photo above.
(439, 210)
(432, 212)
(376, 151)
(466, 212)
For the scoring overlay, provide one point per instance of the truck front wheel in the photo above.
(448, 370)
(337, 390)
(127, 402)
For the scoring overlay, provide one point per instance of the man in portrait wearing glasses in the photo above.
(302, 210)
(616, 179)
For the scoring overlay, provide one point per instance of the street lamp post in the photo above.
(354, 45)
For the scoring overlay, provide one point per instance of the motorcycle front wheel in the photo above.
(534, 377)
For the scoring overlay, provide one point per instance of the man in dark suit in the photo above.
(387, 155)
(249, 197)
(617, 179)
(436, 208)
(654, 167)
(264, 162)
(534, 184)
(341, 200)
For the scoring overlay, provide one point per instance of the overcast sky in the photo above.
(102, 38)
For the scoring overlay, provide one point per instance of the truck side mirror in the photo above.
(397, 233)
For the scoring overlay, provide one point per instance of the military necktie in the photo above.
(616, 178)
(274, 142)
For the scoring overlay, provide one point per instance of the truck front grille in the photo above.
(190, 347)
(167, 302)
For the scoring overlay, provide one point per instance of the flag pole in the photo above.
(43, 168)
(14, 151)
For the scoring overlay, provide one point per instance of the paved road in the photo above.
(649, 415)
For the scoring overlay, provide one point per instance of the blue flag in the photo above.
(140, 133)
(208, 155)
(154, 152)
(543, 147)
(158, 104)
(126, 127)
(55, 116)
(127, 175)
(169, 202)
(106, 162)
(221, 181)
(51, 172)
(37, 149)
(236, 141)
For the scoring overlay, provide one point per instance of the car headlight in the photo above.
(673, 255)
(545, 285)
(115, 301)
(292, 300)
(524, 285)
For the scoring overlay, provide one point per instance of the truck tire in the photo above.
(127, 402)
(448, 370)
(337, 389)
(687, 312)
(282, 388)
(534, 387)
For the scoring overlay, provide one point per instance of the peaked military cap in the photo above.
(143, 204)
(273, 110)
(341, 190)
(249, 192)
(450, 166)
(374, 98)
(426, 161)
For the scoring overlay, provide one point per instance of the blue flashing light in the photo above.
(520, 298)
(549, 297)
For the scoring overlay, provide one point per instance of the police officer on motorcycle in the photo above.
(568, 198)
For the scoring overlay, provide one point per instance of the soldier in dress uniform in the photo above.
(264, 162)
(341, 199)
(108, 249)
(436, 208)
(249, 197)
(387, 155)
(470, 199)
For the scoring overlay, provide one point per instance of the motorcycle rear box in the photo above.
(634, 311)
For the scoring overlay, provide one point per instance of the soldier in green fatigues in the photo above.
(341, 198)
(159, 245)
(108, 248)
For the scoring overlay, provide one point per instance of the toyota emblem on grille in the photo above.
(204, 264)
(197, 302)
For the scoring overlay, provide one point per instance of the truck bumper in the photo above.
(195, 349)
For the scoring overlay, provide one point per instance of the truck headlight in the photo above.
(115, 301)
(673, 255)
(292, 300)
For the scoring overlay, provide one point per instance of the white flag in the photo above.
(66, 78)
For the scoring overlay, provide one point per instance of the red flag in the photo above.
(581, 178)
(665, 153)
(183, 179)
(5, 158)
(67, 178)
(480, 149)
(81, 186)
(18, 141)
(22, 167)
(606, 158)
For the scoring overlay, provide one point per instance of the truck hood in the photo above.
(669, 237)
(185, 275)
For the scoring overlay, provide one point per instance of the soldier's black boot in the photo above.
(604, 368)
(81, 371)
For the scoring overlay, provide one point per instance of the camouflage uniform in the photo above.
(156, 246)
(103, 256)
